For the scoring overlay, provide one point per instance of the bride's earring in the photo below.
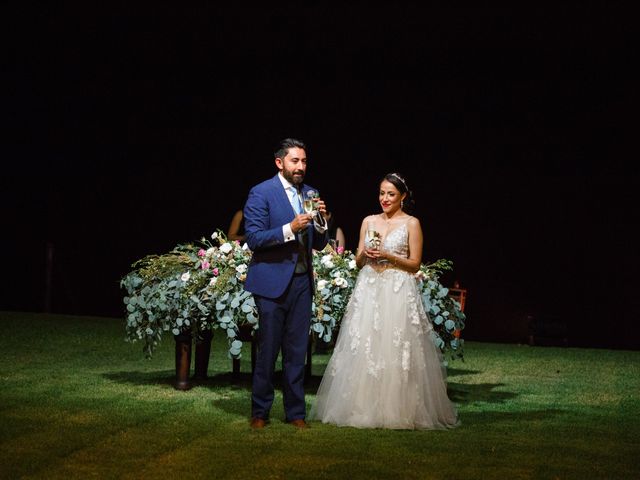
(402, 203)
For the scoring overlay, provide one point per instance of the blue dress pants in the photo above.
(284, 324)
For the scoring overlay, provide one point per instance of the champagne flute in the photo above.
(309, 202)
(373, 236)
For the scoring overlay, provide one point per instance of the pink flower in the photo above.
(237, 242)
(340, 250)
(216, 271)
(205, 265)
(202, 252)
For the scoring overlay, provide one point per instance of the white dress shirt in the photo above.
(294, 196)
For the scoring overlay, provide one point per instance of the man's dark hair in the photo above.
(286, 144)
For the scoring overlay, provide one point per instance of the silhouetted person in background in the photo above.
(334, 231)
(236, 227)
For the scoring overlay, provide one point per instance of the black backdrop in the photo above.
(131, 129)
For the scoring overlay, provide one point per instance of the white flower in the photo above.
(226, 247)
(340, 282)
(245, 246)
(185, 276)
(322, 284)
(352, 264)
(213, 281)
(420, 275)
(214, 235)
(209, 252)
(241, 268)
(326, 261)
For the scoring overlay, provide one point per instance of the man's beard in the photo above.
(291, 179)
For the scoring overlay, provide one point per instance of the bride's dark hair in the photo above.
(401, 184)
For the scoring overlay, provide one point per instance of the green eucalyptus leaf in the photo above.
(235, 303)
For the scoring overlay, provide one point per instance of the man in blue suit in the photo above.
(280, 277)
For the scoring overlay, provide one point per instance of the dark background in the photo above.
(133, 128)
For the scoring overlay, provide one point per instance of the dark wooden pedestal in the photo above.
(245, 335)
(183, 358)
(183, 361)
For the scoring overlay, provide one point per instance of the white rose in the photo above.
(352, 264)
(321, 284)
(214, 235)
(241, 268)
(226, 247)
(326, 261)
(340, 282)
(213, 281)
(185, 276)
(209, 252)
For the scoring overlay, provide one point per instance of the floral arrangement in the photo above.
(335, 272)
(200, 286)
(444, 312)
(194, 287)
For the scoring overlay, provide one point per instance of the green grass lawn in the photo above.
(77, 401)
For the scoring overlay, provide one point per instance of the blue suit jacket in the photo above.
(273, 261)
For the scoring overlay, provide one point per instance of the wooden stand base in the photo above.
(183, 358)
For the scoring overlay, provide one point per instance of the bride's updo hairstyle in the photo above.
(401, 184)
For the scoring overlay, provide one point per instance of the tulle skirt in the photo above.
(385, 371)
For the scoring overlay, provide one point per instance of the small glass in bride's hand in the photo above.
(373, 237)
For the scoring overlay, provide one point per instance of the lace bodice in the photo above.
(395, 241)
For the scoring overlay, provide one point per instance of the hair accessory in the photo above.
(401, 179)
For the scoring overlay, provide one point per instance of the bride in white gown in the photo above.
(385, 371)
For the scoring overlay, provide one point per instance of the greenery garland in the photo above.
(200, 286)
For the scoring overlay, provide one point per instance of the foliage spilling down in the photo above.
(200, 286)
